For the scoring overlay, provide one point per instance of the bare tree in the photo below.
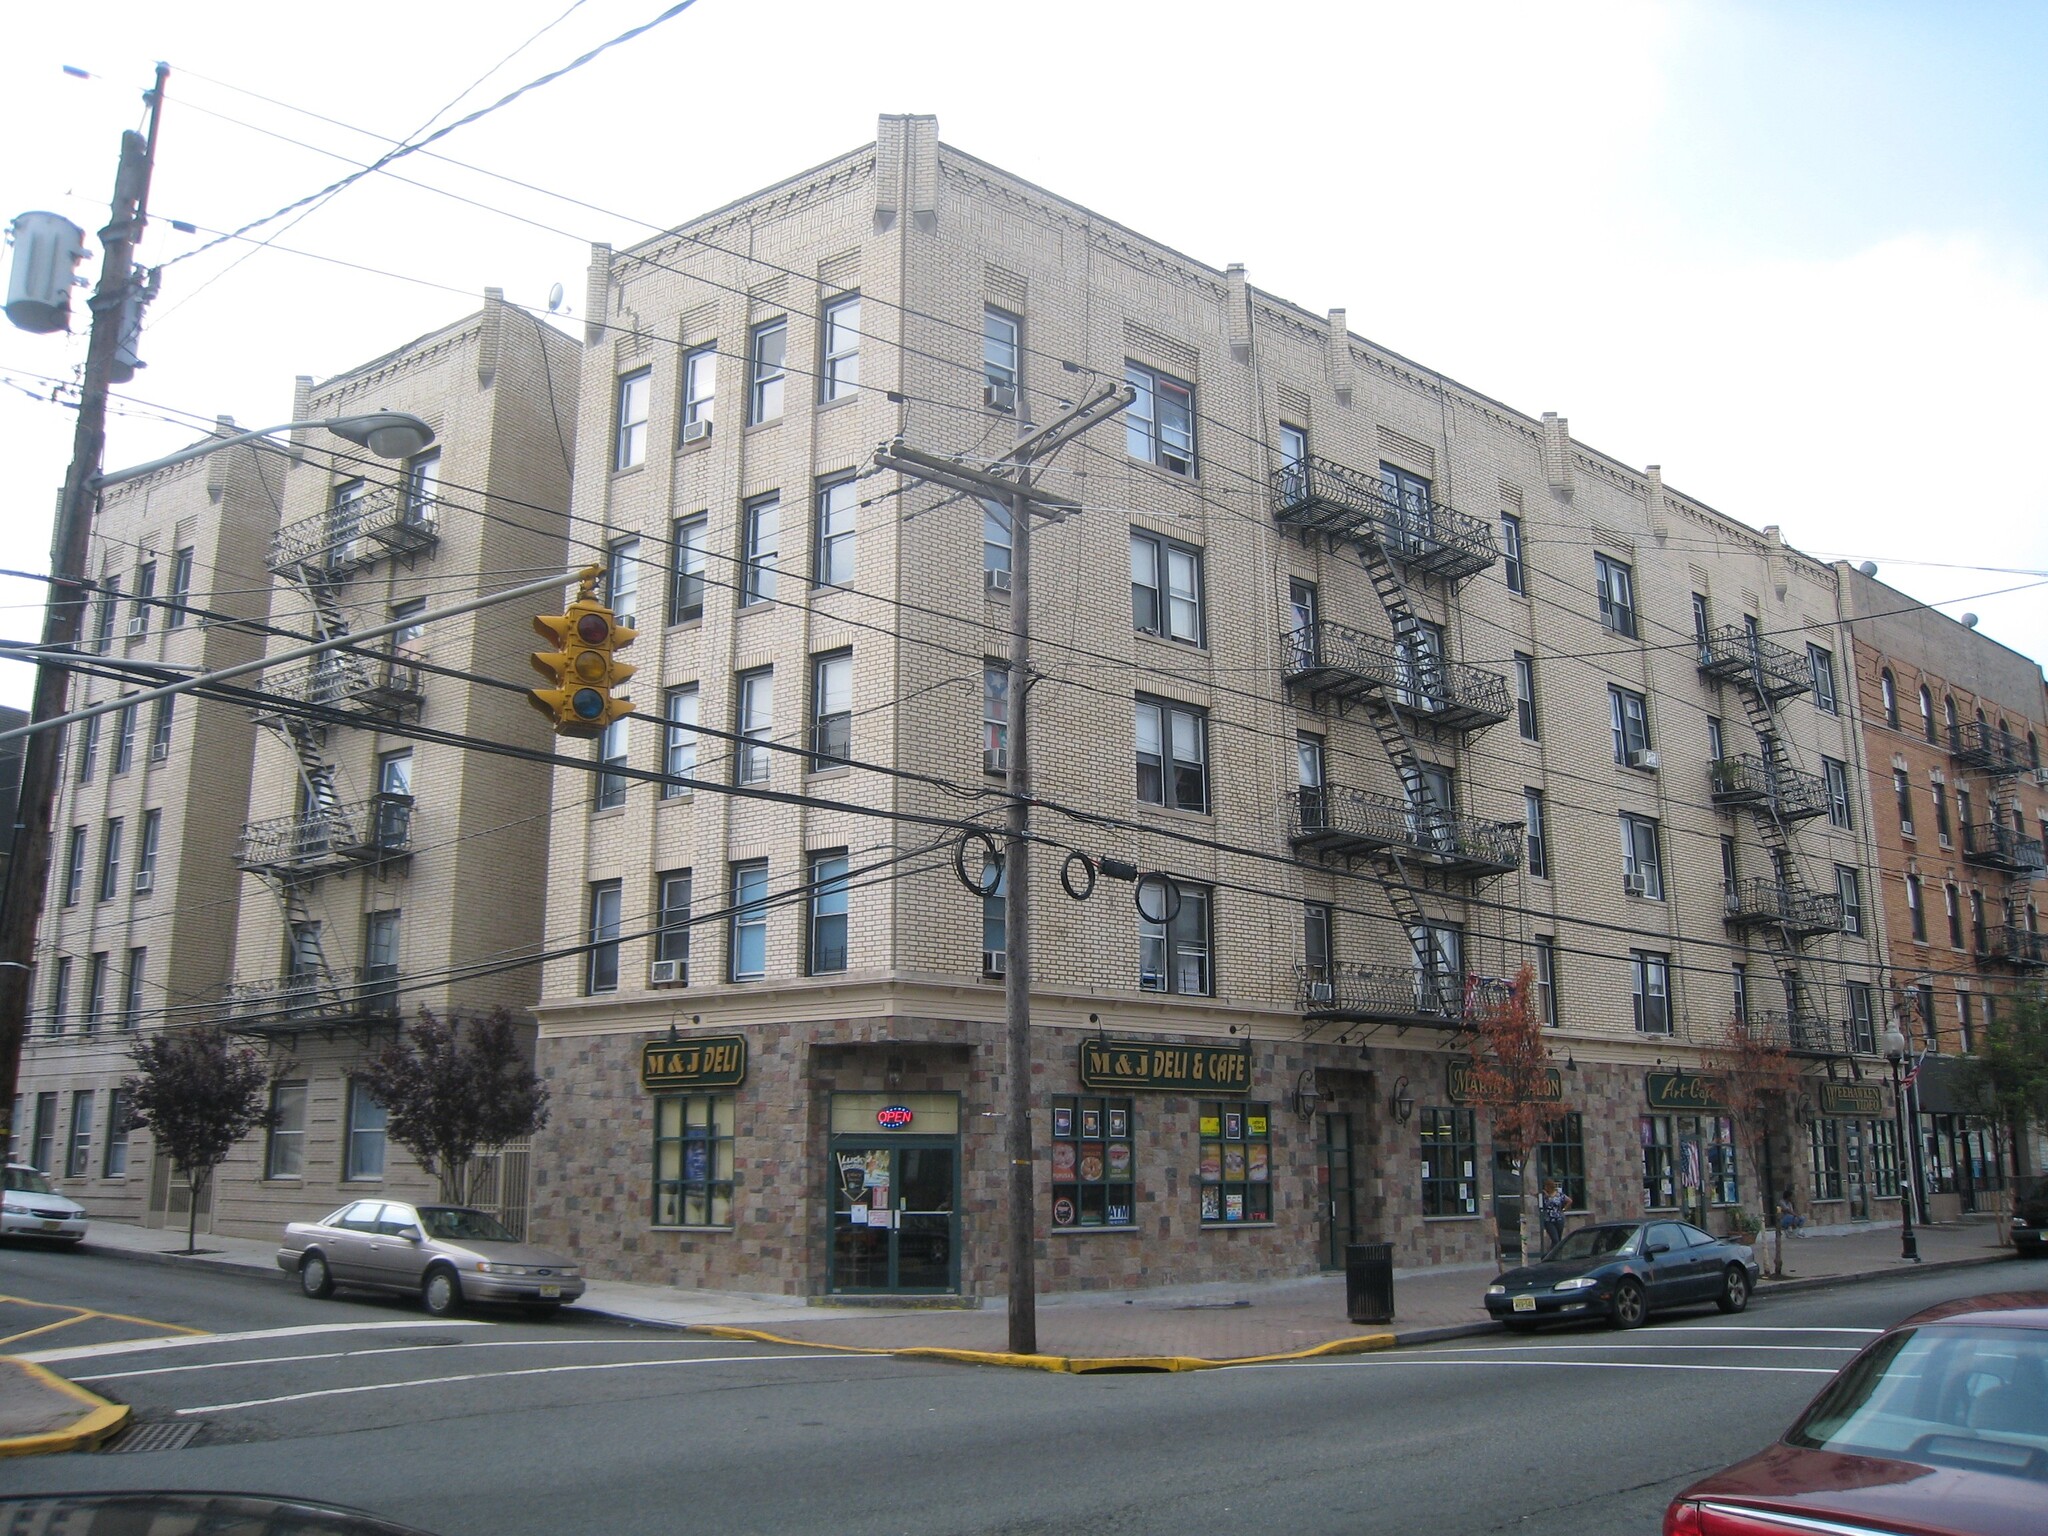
(1511, 1076)
(1759, 1081)
(198, 1092)
(456, 1086)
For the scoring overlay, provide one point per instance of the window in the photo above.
(1642, 866)
(181, 589)
(686, 573)
(1739, 979)
(110, 861)
(767, 348)
(394, 798)
(831, 709)
(630, 439)
(1532, 816)
(380, 962)
(679, 739)
(1159, 426)
(114, 1163)
(1512, 571)
(1849, 886)
(825, 925)
(145, 599)
(1915, 910)
(1407, 498)
(1439, 985)
(1716, 747)
(1650, 986)
(78, 1153)
(1977, 918)
(832, 554)
(46, 1131)
(602, 972)
(1967, 1034)
(1315, 943)
(762, 520)
(995, 925)
(1660, 1188)
(1953, 898)
(366, 1122)
(104, 615)
(1824, 1143)
(1172, 742)
(95, 992)
(1561, 1155)
(1419, 660)
(1173, 955)
(1237, 1162)
(1923, 996)
(138, 976)
(748, 952)
(1926, 714)
(1902, 785)
(1702, 628)
(1449, 1150)
(422, 482)
(622, 581)
(1094, 1170)
(1822, 664)
(1617, 585)
(160, 729)
(74, 865)
(839, 344)
(1629, 714)
(88, 747)
(1862, 1031)
(1166, 588)
(124, 738)
(1293, 459)
(1525, 695)
(672, 921)
(1888, 691)
(1001, 357)
(693, 1160)
(285, 1155)
(1836, 776)
(700, 384)
(755, 718)
(60, 994)
(995, 545)
(1948, 715)
(995, 717)
(1543, 963)
(613, 747)
(1942, 829)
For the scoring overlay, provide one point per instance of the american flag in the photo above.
(1689, 1163)
(1918, 1062)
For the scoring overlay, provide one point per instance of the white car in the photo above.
(34, 1209)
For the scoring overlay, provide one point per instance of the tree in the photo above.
(2006, 1075)
(198, 1092)
(1510, 1074)
(1759, 1080)
(453, 1087)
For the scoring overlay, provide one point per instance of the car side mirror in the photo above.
(1651, 1250)
(412, 1234)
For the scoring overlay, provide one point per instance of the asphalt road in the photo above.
(499, 1427)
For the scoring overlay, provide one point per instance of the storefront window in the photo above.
(1660, 1185)
(1689, 1161)
(1563, 1157)
(1237, 1166)
(1723, 1188)
(1825, 1136)
(693, 1159)
(1449, 1148)
(1093, 1169)
(1884, 1159)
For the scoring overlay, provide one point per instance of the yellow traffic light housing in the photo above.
(582, 667)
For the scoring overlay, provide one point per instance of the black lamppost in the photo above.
(1895, 1053)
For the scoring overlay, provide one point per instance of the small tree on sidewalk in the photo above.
(1511, 1075)
(2005, 1078)
(454, 1087)
(198, 1092)
(1759, 1082)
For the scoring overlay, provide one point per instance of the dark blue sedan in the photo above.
(1623, 1271)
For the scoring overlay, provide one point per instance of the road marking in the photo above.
(1756, 1328)
(402, 1349)
(1388, 1361)
(1550, 1349)
(537, 1370)
(80, 1315)
(137, 1346)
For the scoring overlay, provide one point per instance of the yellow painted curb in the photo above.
(1071, 1365)
(92, 1429)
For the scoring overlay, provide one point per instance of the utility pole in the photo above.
(21, 906)
(1010, 482)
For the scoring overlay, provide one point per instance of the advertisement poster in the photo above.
(1063, 1120)
(1211, 1126)
(1119, 1160)
(1212, 1204)
(1212, 1161)
(1119, 1123)
(1063, 1212)
(1091, 1123)
(1063, 1160)
(1256, 1124)
(1233, 1125)
(1258, 1162)
(1233, 1206)
(1091, 1164)
(1233, 1161)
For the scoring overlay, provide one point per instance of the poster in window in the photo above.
(1063, 1160)
(1233, 1206)
(1120, 1214)
(1063, 1212)
(1091, 1164)
(1212, 1161)
(1212, 1203)
(1091, 1123)
(1258, 1165)
(696, 1160)
(1063, 1120)
(1233, 1125)
(1256, 1124)
(1211, 1126)
(1119, 1123)
(1119, 1159)
(1233, 1161)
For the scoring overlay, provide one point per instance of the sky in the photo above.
(1791, 252)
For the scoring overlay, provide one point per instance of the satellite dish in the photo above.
(554, 298)
(1969, 621)
(1868, 567)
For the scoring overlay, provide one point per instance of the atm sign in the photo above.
(894, 1117)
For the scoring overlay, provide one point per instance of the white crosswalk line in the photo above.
(194, 1340)
(1394, 1362)
(402, 1349)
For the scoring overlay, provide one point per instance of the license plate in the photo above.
(551, 1290)
(53, 1226)
(1525, 1303)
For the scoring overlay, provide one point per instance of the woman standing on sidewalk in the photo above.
(1550, 1207)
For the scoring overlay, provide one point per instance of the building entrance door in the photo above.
(894, 1218)
(1342, 1225)
(1855, 1183)
(1507, 1206)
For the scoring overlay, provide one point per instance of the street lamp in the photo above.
(387, 434)
(1895, 1053)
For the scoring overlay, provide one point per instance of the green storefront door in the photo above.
(895, 1193)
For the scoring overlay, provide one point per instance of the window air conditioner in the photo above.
(996, 581)
(145, 879)
(1000, 397)
(159, 751)
(1321, 992)
(995, 759)
(1643, 759)
(994, 961)
(697, 431)
(1636, 884)
(138, 624)
(668, 973)
(1905, 829)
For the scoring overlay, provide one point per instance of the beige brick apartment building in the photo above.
(1400, 689)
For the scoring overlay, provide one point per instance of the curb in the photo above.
(1071, 1365)
(97, 1424)
(182, 1260)
(1823, 1282)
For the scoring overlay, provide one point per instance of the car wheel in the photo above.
(315, 1279)
(1630, 1306)
(1734, 1290)
(441, 1294)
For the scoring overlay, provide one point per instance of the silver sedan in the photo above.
(444, 1254)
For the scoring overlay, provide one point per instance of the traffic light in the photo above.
(582, 667)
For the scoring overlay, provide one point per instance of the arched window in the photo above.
(1891, 698)
(1927, 714)
(2033, 750)
(2005, 740)
(1948, 718)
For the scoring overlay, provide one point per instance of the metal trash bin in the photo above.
(1369, 1282)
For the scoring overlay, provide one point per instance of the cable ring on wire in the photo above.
(1169, 906)
(1067, 875)
(992, 859)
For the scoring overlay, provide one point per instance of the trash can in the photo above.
(1369, 1282)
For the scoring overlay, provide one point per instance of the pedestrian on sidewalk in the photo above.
(1551, 1207)
(1790, 1222)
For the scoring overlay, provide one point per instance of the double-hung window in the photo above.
(106, 613)
(1629, 715)
(767, 349)
(1173, 752)
(754, 719)
(1001, 357)
(1543, 962)
(114, 1161)
(679, 739)
(825, 925)
(1525, 695)
(1954, 899)
(686, 572)
(145, 599)
(74, 865)
(124, 738)
(832, 551)
(839, 348)
(380, 961)
(672, 922)
(1927, 715)
(1617, 584)
(1849, 886)
(1822, 665)
(1159, 425)
(1836, 776)
(761, 524)
(285, 1156)
(1650, 986)
(1862, 1023)
(1942, 828)
(60, 993)
(747, 949)
(1438, 954)
(996, 545)
(1642, 867)
(181, 589)
(95, 992)
(602, 971)
(1916, 910)
(613, 748)
(831, 709)
(1166, 588)
(78, 1153)
(145, 849)
(367, 1122)
(1512, 570)
(110, 861)
(622, 582)
(630, 435)
(88, 747)
(1539, 843)
(1902, 788)
(1173, 953)
(700, 385)
(1293, 463)
(160, 729)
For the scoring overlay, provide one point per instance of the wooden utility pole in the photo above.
(21, 906)
(1009, 482)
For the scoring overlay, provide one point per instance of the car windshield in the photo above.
(1595, 1243)
(28, 1179)
(459, 1225)
(1966, 1396)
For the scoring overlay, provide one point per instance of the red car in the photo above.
(1938, 1428)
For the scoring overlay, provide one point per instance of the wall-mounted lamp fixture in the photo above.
(1399, 1104)
(1308, 1094)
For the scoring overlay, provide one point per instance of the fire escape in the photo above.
(1403, 686)
(1781, 907)
(2000, 844)
(327, 835)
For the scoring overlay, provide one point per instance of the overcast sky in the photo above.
(1792, 252)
